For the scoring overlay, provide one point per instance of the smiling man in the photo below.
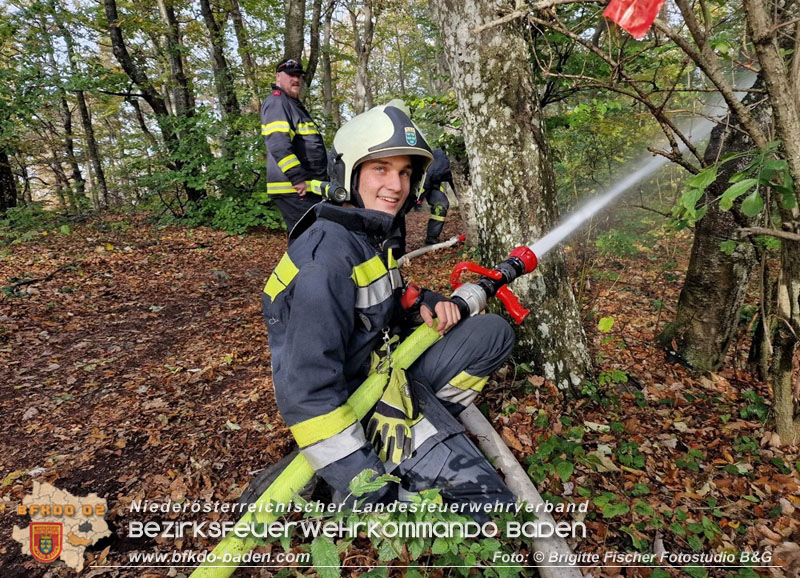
(296, 156)
(333, 304)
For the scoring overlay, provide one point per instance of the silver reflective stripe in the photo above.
(456, 395)
(421, 431)
(335, 447)
(374, 293)
(397, 280)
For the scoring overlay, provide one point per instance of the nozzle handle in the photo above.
(512, 304)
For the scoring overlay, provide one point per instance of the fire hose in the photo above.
(471, 299)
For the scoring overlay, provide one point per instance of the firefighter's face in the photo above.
(384, 184)
(289, 84)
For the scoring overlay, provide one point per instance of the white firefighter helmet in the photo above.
(383, 131)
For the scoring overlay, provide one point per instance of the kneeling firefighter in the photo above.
(334, 311)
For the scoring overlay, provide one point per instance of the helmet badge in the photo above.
(411, 136)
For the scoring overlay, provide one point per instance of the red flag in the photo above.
(634, 16)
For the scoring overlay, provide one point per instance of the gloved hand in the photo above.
(396, 412)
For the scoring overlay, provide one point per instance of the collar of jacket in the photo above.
(375, 224)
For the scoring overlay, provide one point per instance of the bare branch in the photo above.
(516, 14)
(707, 60)
(749, 231)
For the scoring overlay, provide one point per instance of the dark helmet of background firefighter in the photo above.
(383, 131)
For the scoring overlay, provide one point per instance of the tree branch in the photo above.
(516, 14)
(707, 61)
(17, 284)
(749, 231)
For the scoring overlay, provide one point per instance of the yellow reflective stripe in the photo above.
(283, 274)
(323, 426)
(368, 271)
(392, 261)
(437, 218)
(466, 381)
(314, 187)
(284, 187)
(305, 128)
(441, 188)
(335, 447)
(288, 162)
(280, 188)
(277, 126)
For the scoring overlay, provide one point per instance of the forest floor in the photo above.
(140, 370)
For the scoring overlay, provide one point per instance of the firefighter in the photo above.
(332, 307)
(296, 157)
(433, 192)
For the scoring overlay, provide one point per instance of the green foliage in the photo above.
(325, 557)
(25, 217)
(613, 376)
(556, 455)
(236, 215)
(756, 409)
(691, 460)
(605, 324)
(617, 243)
(766, 171)
(629, 455)
(610, 505)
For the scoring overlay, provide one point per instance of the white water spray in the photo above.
(697, 132)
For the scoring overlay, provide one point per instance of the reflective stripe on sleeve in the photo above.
(369, 271)
(280, 188)
(455, 395)
(277, 126)
(437, 218)
(288, 162)
(322, 427)
(335, 447)
(283, 274)
(374, 283)
(306, 128)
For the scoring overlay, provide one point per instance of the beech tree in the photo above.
(512, 177)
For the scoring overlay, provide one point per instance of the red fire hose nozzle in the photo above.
(494, 282)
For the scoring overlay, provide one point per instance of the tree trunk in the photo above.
(327, 81)
(223, 79)
(151, 96)
(181, 96)
(786, 112)
(716, 283)
(362, 45)
(8, 186)
(785, 343)
(313, 54)
(78, 188)
(512, 178)
(83, 109)
(242, 40)
(294, 27)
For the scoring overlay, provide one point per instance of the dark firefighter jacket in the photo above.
(295, 150)
(438, 172)
(326, 305)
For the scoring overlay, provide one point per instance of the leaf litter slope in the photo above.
(141, 371)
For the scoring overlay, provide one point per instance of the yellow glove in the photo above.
(389, 428)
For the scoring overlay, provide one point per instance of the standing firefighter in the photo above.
(333, 309)
(296, 156)
(433, 192)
